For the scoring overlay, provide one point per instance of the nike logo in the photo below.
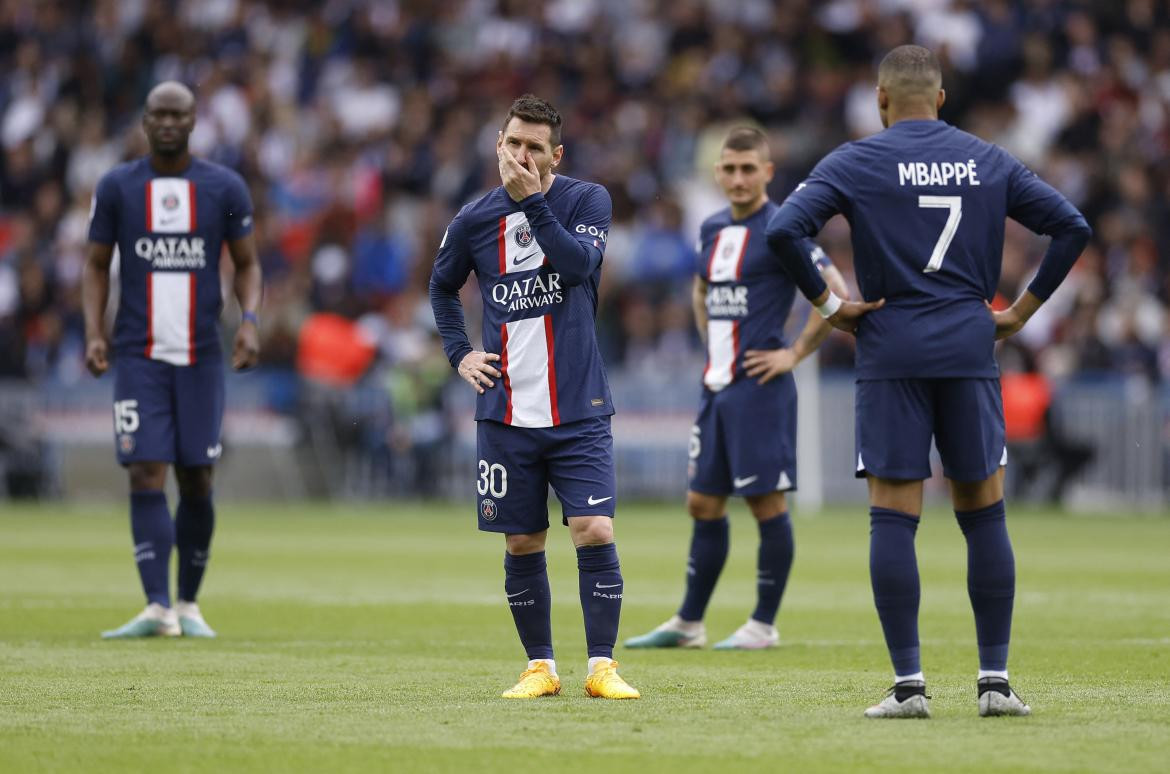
(742, 482)
(523, 258)
(518, 593)
(610, 586)
(593, 501)
(213, 452)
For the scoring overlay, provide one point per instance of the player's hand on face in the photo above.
(848, 317)
(246, 352)
(97, 356)
(520, 180)
(767, 364)
(477, 370)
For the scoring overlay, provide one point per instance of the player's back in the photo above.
(926, 203)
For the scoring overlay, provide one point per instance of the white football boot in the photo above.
(906, 699)
(675, 633)
(154, 621)
(996, 698)
(191, 620)
(753, 635)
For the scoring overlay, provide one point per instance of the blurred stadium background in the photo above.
(361, 127)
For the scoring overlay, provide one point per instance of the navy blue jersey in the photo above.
(538, 263)
(169, 231)
(749, 295)
(926, 203)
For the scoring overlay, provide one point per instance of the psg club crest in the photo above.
(488, 510)
(524, 235)
(170, 202)
(126, 443)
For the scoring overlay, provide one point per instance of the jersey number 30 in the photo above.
(955, 206)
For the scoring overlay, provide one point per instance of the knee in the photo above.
(525, 544)
(147, 476)
(592, 531)
(704, 507)
(764, 507)
(194, 482)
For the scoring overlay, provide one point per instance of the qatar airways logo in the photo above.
(529, 293)
(172, 252)
(727, 301)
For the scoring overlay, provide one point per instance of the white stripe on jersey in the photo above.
(170, 205)
(721, 342)
(727, 253)
(518, 248)
(527, 358)
(171, 306)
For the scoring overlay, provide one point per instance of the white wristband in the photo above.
(830, 307)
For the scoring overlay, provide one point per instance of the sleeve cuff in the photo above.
(531, 201)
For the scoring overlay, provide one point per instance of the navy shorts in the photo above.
(744, 439)
(896, 419)
(168, 413)
(517, 464)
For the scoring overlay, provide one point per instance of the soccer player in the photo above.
(169, 215)
(741, 299)
(543, 407)
(926, 203)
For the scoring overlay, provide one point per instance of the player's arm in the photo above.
(249, 288)
(249, 283)
(767, 364)
(699, 305)
(576, 255)
(801, 217)
(452, 267)
(95, 293)
(1043, 209)
(95, 275)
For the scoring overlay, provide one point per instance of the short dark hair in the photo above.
(910, 69)
(747, 138)
(535, 110)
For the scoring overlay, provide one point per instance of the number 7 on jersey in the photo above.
(955, 206)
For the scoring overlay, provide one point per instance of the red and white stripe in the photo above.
(170, 313)
(725, 264)
(530, 377)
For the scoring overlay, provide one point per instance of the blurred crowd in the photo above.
(362, 125)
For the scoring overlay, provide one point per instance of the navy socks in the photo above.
(991, 581)
(194, 523)
(774, 563)
(709, 544)
(893, 572)
(600, 582)
(154, 535)
(526, 585)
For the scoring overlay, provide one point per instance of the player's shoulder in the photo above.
(487, 207)
(575, 186)
(127, 171)
(715, 221)
(213, 171)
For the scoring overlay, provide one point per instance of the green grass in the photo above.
(376, 638)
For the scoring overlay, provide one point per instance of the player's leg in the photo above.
(194, 524)
(773, 564)
(894, 426)
(199, 405)
(764, 465)
(971, 442)
(512, 494)
(581, 471)
(710, 483)
(144, 429)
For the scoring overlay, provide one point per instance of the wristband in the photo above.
(831, 305)
(251, 317)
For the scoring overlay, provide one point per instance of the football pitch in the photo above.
(376, 638)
